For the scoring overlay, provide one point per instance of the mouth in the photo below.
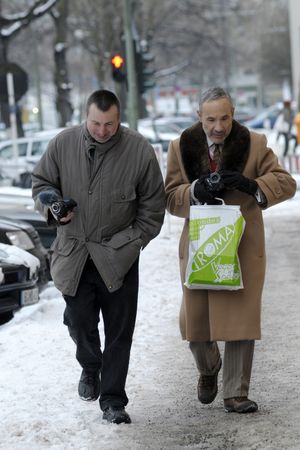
(219, 137)
(101, 138)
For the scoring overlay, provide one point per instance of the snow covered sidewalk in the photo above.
(40, 408)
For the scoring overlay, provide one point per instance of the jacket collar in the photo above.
(194, 150)
(93, 146)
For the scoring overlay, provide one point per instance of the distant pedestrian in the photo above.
(111, 173)
(251, 177)
(283, 125)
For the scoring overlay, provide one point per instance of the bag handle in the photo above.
(217, 198)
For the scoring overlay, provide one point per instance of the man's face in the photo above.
(216, 117)
(102, 125)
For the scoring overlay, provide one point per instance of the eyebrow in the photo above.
(105, 123)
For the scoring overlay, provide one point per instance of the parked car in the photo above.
(29, 150)
(156, 136)
(164, 129)
(179, 123)
(266, 118)
(17, 203)
(23, 235)
(242, 113)
(18, 280)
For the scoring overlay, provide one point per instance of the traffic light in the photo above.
(145, 74)
(118, 68)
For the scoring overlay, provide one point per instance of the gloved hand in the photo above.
(235, 180)
(202, 192)
(61, 209)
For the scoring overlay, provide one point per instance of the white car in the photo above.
(29, 150)
(164, 129)
(18, 280)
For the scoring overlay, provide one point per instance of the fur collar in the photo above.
(194, 150)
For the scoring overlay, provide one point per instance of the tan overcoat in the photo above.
(208, 315)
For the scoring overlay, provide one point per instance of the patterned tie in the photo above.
(217, 154)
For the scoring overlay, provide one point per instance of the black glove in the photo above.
(235, 180)
(203, 194)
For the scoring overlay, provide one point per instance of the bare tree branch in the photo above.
(10, 25)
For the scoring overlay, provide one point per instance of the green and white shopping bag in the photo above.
(215, 232)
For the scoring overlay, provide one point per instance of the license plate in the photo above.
(29, 296)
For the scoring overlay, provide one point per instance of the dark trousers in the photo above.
(82, 316)
(287, 138)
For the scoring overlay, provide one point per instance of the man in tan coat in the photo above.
(250, 176)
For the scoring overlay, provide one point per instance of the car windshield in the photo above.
(165, 128)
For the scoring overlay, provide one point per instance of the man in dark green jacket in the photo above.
(112, 174)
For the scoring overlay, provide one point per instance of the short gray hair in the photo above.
(214, 94)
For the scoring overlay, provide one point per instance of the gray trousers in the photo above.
(237, 364)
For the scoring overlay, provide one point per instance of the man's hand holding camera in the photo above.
(61, 209)
(209, 187)
(235, 180)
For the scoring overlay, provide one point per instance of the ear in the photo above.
(199, 114)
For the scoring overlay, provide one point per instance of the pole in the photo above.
(294, 16)
(12, 114)
(131, 72)
(38, 83)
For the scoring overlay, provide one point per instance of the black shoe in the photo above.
(116, 415)
(240, 405)
(89, 384)
(208, 387)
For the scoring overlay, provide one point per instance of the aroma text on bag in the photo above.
(215, 232)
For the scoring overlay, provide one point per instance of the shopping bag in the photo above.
(215, 232)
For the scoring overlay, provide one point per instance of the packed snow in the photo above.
(40, 407)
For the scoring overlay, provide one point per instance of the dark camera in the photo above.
(214, 183)
(61, 208)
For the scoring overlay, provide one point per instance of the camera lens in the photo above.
(215, 177)
(56, 207)
(214, 182)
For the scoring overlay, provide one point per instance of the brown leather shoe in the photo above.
(208, 387)
(240, 405)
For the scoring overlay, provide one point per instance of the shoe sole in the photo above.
(117, 421)
(250, 409)
(210, 400)
(88, 399)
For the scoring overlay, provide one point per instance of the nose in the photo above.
(101, 130)
(219, 126)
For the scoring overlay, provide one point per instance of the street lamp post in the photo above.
(131, 72)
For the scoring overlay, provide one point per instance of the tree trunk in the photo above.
(61, 78)
(4, 107)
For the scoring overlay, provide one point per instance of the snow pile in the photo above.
(15, 255)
